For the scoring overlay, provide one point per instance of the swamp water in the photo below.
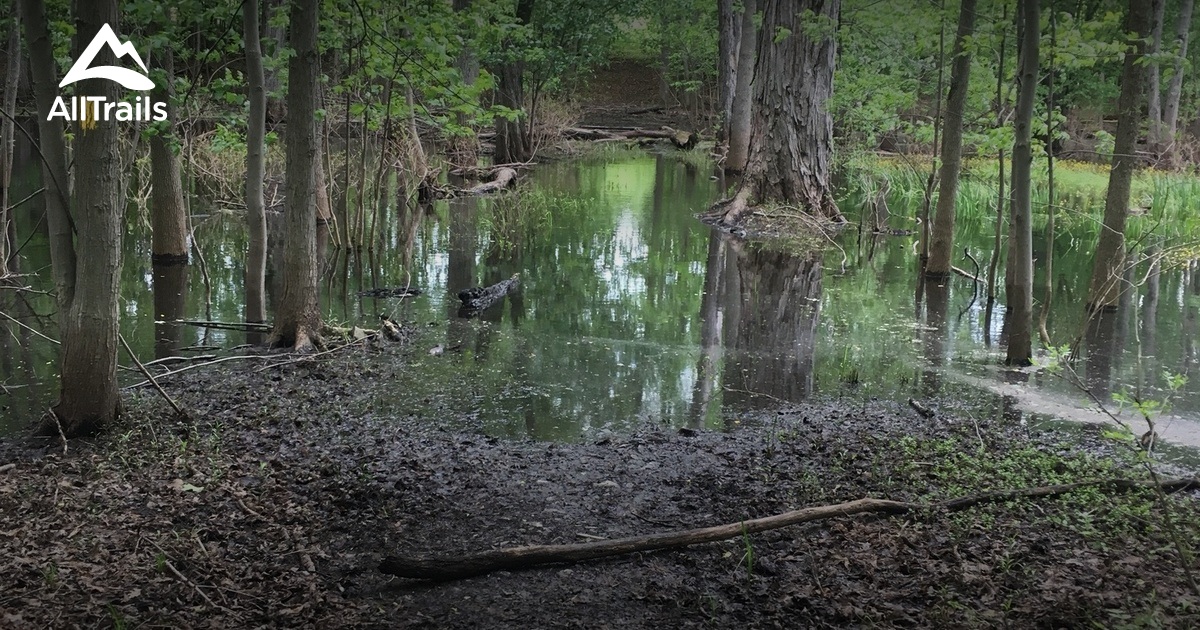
(632, 313)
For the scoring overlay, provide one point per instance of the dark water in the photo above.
(631, 312)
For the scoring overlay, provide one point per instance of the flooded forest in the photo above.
(599, 314)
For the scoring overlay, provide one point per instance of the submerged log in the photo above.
(455, 567)
(503, 178)
(392, 292)
(479, 298)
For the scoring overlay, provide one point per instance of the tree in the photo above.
(791, 135)
(298, 316)
(11, 74)
(1175, 89)
(740, 107)
(168, 214)
(1019, 287)
(942, 242)
(512, 135)
(256, 128)
(728, 28)
(1105, 288)
(1154, 72)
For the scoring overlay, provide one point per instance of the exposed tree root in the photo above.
(455, 567)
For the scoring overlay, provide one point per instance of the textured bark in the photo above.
(1171, 105)
(791, 136)
(1019, 293)
(942, 242)
(512, 136)
(168, 215)
(743, 93)
(298, 317)
(89, 397)
(1154, 76)
(11, 74)
(256, 218)
(729, 26)
(53, 144)
(1105, 289)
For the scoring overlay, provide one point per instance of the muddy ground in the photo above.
(275, 504)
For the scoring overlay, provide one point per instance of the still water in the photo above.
(633, 313)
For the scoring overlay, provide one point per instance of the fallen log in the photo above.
(390, 292)
(681, 139)
(242, 326)
(503, 178)
(477, 299)
(455, 567)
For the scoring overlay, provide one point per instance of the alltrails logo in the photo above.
(92, 108)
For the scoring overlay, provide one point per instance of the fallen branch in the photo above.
(242, 326)
(150, 377)
(455, 567)
(681, 139)
(477, 299)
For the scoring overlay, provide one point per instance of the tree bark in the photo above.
(168, 214)
(1019, 293)
(277, 37)
(11, 74)
(741, 105)
(1154, 87)
(89, 397)
(256, 170)
(729, 28)
(512, 136)
(942, 241)
(298, 316)
(53, 143)
(1105, 289)
(1171, 106)
(791, 132)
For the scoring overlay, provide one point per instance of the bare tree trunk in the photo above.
(11, 74)
(277, 37)
(1154, 87)
(89, 397)
(942, 241)
(168, 214)
(792, 131)
(298, 316)
(53, 144)
(256, 168)
(512, 136)
(1171, 106)
(729, 27)
(743, 93)
(1105, 289)
(1020, 286)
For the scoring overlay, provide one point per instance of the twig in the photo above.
(183, 578)
(199, 365)
(314, 355)
(150, 377)
(27, 327)
(61, 434)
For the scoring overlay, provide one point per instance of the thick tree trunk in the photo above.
(1019, 292)
(53, 144)
(512, 136)
(942, 241)
(11, 74)
(1154, 76)
(1171, 105)
(168, 215)
(298, 316)
(256, 170)
(1105, 289)
(728, 30)
(743, 93)
(792, 132)
(89, 397)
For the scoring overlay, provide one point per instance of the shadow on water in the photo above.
(631, 313)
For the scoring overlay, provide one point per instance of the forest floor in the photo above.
(274, 505)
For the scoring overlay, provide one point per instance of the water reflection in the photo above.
(169, 286)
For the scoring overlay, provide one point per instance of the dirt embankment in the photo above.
(274, 507)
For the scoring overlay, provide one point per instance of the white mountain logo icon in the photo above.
(130, 79)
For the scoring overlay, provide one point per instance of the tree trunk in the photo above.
(792, 132)
(1171, 106)
(53, 143)
(168, 215)
(11, 74)
(298, 316)
(277, 36)
(1020, 286)
(256, 170)
(743, 93)
(464, 148)
(512, 136)
(942, 241)
(1154, 88)
(729, 27)
(89, 396)
(1105, 289)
